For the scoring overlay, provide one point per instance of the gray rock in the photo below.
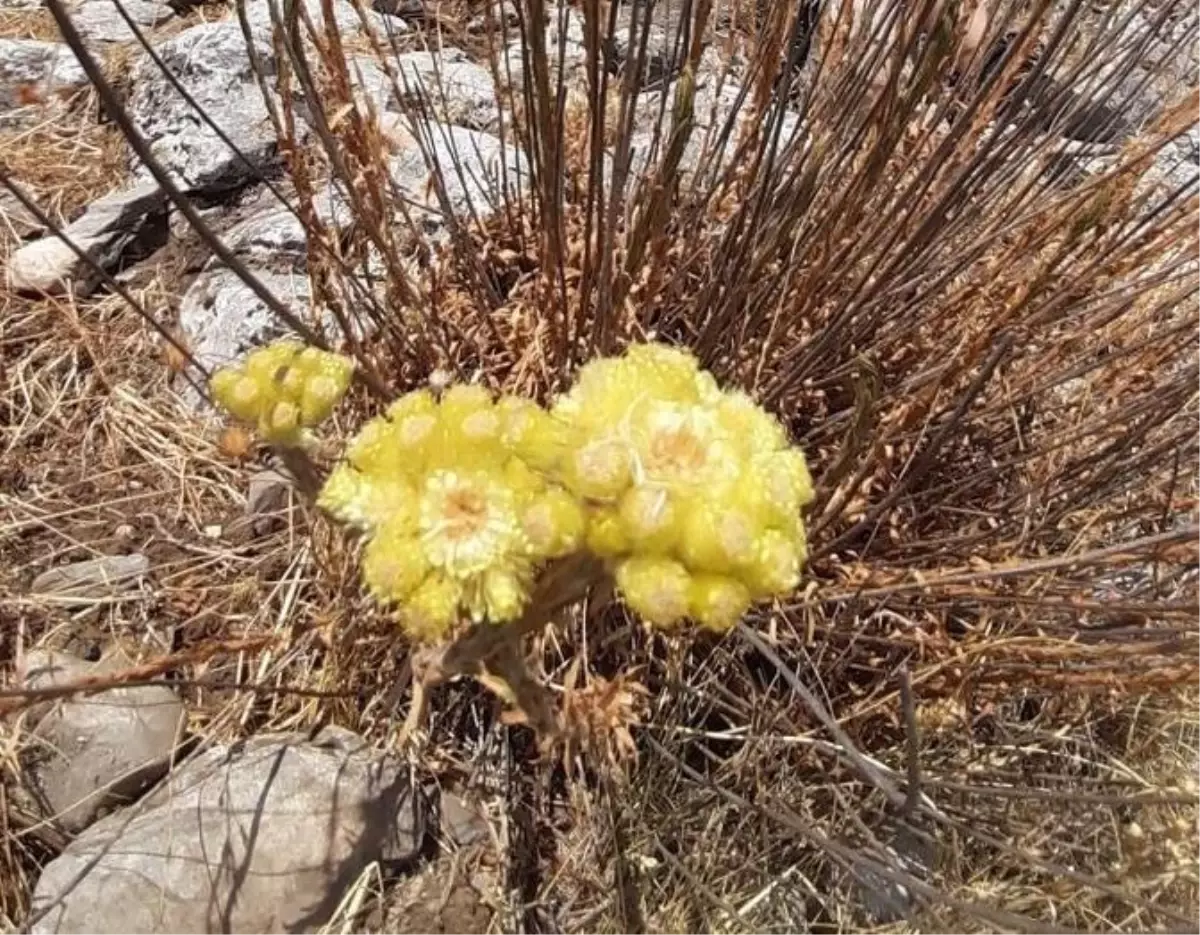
(409, 9)
(663, 53)
(573, 56)
(92, 753)
(211, 61)
(504, 14)
(16, 221)
(345, 16)
(457, 90)
(112, 227)
(267, 497)
(224, 319)
(461, 823)
(371, 84)
(100, 21)
(32, 68)
(82, 583)
(266, 233)
(474, 166)
(263, 837)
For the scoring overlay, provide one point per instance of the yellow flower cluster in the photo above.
(693, 493)
(283, 388)
(458, 511)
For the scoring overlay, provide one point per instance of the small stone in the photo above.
(884, 899)
(83, 583)
(442, 897)
(90, 753)
(461, 823)
(346, 18)
(269, 234)
(504, 14)
(266, 498)
(267, 492)
(131, 220)
(266, 836)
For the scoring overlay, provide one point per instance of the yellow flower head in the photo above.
(458, 515)
(283, 389)
(693, 493)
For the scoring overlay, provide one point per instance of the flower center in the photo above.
(464, 513)
(467, 522)
(676, 452)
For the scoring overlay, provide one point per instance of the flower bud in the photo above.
(599, 471)
(657, 588)
(414, 403)
(393, 565)
(650, 519)
(553, 524)
(530, 432)
(432, 610)
(785, 482)
(504, 595)
(265, 363)
(606, 534)
(717, 539)
(717, 602)
(282, 424)
(775, 568)
(365, 502)
(318, 399)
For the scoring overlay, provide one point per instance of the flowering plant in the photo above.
(687, 496)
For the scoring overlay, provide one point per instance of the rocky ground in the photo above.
(290, 829)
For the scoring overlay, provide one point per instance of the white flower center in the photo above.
(467, 522)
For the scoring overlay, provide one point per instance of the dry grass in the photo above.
(992, 671)
(28, 24)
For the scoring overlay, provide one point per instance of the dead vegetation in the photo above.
(979, 713)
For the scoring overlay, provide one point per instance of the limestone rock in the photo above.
(483, 163)
(408, 9)
(265, 836)
(504, 14)
(125, 221)
(82, 583)
(31, 70)
(573, 56)
(456, 89)
(91, 753)
(211, 61)
(100, 21)
(267, 233)
(345, 17)
(223, 318)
